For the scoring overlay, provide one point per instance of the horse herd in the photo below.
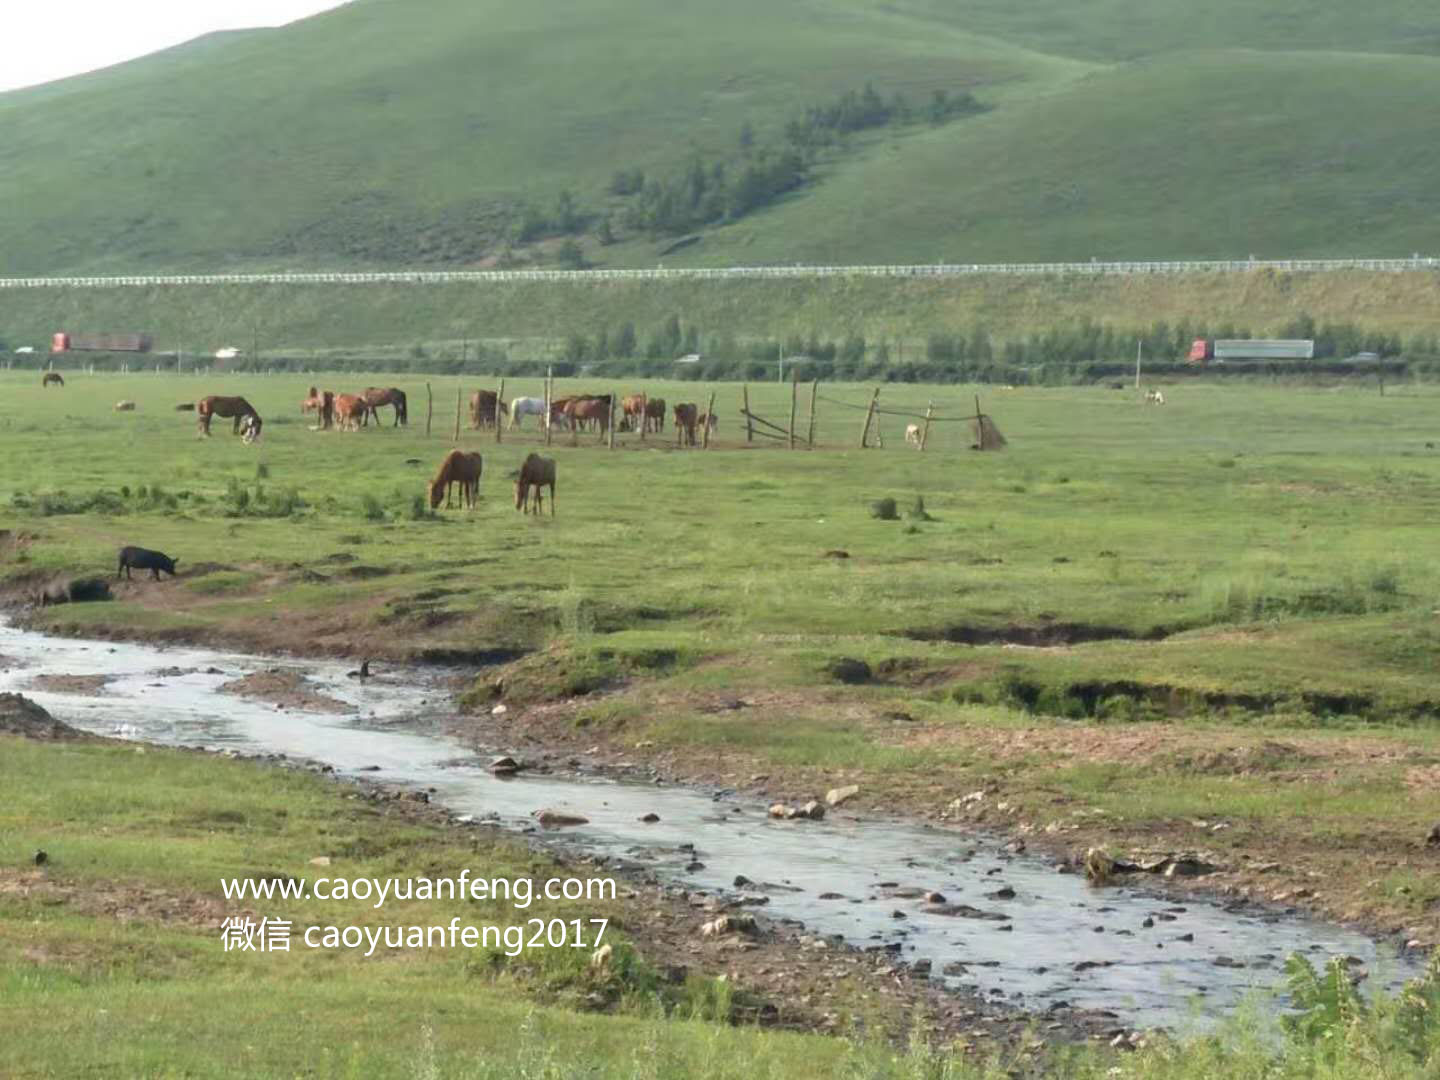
(586, 412)
(351, 412)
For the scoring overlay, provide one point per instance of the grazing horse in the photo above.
(484, 408)
(457, 468)
(1155, 397)
(912, 434)
(51, 377)
(655, 414)
(535, 472)
(351, 410)
(583, 410)
(311, 402)
(709, 422)
(687, 416)
(522, 407)
(209, 407)
(124, 406)
(376, 397)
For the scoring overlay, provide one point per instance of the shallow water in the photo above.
(1055, 921)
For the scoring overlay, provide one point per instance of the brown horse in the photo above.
(51, 377)
(558, 409)
(582, 411)
(351, 411)
(457, 468)
(209, 407)
(376, 397)
(484, 408)
(687, 416)
(322, 403)
(633, 406)
(655, 414)
(535, 472)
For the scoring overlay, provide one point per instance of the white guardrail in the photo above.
(447, 277)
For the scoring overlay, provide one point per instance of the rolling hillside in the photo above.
(422, 132)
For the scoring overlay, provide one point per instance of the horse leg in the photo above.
(552, 498)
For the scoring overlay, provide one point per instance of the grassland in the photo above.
(386, 133)
(318, 322)
(1216, 613)
(111, 959)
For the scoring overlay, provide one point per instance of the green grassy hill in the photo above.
(387, 133)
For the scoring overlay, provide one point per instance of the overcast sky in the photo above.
(50, 39)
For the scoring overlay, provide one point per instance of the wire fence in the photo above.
(938, 270)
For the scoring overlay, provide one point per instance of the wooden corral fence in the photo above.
(768, 429)
(985, 434)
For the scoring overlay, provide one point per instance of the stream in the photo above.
(1059, 941)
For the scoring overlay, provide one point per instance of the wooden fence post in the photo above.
(549, 396)
(459, 393)
(499, 397)
(794, 393)
(614, 397)
(869, 416)
(644, 414)
(709, 412)
(749, 423)
(429, 409)
(810, 436)
(925, 434)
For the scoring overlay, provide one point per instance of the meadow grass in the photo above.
(414, 134)
(147, 834)
(383, 323)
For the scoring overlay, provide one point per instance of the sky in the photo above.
(43, 40)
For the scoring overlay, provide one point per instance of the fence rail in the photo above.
(938, 270)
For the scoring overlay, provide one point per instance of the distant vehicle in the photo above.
(1203, 349)
(227, 353)
(25, 350)
(689, 358)
(1365, 358)
(65, 342)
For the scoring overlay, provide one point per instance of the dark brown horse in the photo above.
(237, 407)
(484, 408)
(655, 414)
(376, 397)
(51, 377)
(457, 468)
(687, 416)
(535, 472)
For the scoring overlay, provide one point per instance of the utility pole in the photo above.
(1138, 346)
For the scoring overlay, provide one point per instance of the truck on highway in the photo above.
(67, 342)
(1223, 349)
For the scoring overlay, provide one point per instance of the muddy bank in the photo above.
(21, 716)
(285, 688)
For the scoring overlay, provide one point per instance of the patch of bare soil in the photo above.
(88, 685)
(287, 688)
(123, 901)
(21, 716)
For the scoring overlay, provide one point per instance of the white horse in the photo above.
(522, 407)
(1155, 397)
(912, 434)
